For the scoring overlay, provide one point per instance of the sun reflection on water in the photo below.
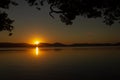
(37, 51)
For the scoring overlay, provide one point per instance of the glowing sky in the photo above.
(31, 24)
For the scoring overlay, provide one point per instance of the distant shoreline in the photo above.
(10, 45)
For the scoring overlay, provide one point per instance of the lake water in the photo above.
(84, 63)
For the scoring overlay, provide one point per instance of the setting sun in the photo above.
(37, 42)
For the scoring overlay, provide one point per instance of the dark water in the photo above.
(60, 63)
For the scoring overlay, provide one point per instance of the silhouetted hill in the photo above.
(15, 45)
(58, 44)
(95, 44)
(3, 45)
(52, 45)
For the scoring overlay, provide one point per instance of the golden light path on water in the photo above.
(37, 51)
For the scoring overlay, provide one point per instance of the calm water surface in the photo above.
(60, 63)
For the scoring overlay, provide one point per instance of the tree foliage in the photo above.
(108, 10)
(5, 21)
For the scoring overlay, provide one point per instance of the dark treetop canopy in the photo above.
(5, 22)
(108, 10)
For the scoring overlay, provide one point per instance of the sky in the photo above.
(31, 24)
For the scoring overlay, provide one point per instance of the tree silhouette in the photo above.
(108, 10)
(5, 22)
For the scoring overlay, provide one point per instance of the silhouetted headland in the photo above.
(6, 44)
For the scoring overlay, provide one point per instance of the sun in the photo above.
(37, 42)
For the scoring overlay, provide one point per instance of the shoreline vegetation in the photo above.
(8, 44)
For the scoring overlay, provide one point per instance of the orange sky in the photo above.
(31, 25)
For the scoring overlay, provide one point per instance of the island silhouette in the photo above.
(9, 44)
